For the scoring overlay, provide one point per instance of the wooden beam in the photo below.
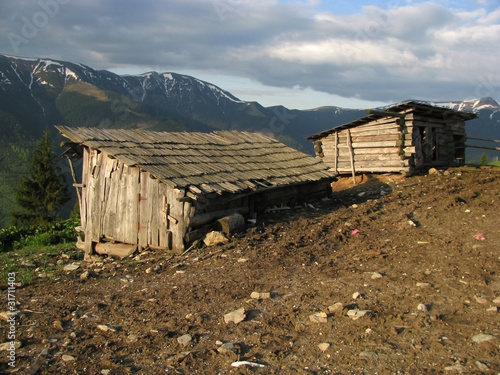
(351, 156)
(208, 217)
(484, 139)
(484, 147)
(384, 113)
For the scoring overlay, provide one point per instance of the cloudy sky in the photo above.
(301, 54)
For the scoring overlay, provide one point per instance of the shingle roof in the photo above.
(222, 161)
(403, 107)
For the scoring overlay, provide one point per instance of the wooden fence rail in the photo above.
(485, 140)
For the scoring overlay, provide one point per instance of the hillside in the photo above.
(37, 93)
(392, 276)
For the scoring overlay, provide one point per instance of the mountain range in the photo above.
(37, 93)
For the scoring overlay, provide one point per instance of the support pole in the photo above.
(351, 155)
(75, 183)
(336, 159)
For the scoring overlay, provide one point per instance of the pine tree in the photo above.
(44, 191)
(484, 159)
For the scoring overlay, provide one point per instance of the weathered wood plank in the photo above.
(131, 206)
(336, 152)
(144, 215)
(351, 155)
(397, 143)
(376, 169)
(363, 151)
(177, 211)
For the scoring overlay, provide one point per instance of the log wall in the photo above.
(376, 146)
(391, 144)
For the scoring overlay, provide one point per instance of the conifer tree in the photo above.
(43, 192)
(484, 159)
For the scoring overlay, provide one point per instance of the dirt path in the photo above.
(402, 256)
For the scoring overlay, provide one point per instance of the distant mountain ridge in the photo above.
(37, 93)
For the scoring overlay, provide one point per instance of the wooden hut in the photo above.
(163, 190)
(406, 137)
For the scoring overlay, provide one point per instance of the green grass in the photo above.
(495, 163)
(29, 262)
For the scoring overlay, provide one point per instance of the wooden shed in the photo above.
(405, 137)
(161, 189)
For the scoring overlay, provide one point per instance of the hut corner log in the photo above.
(120, 250)
(205, 218)
(232, 223)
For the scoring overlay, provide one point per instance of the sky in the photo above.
(300, 54)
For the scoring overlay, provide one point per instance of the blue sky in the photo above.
(301, 54)
(350, 7)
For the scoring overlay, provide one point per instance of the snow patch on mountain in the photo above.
(472, 105)
(4, 80)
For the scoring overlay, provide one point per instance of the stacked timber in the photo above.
(373, 147)
(405, 137)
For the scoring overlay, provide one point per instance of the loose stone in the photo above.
(320, 317)
(323, 346)
(482, 338)
(184, 340)
(355, 314)
(235, 316)
(336, 307)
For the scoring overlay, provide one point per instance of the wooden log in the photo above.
(484, 139)
(199, 233)
(365, 151)
(347, 171)
(397, 143)
(120, 250)
(484, 147)
(381, 163)
(409, 150)
(431, 124)
(231, 223)
(384, 113)
(208, 217)
(392, 136)
(366, 157)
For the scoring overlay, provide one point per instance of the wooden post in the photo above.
(75, 183)
(336, 156)
(351, 155)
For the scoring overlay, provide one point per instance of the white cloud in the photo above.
(431, 50)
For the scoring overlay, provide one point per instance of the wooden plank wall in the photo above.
(124, 204)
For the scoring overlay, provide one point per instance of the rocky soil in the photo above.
(392, 276)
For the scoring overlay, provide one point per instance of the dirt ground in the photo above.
(414, 263)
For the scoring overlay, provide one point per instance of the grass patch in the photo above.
(27, 263)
